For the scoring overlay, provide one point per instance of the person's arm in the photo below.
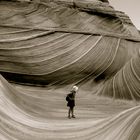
(71, 98)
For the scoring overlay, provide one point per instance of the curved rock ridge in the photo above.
(86, 16)
(47, 57)
(126, 82)
(29, 115)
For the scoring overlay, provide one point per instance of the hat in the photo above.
(75, 88)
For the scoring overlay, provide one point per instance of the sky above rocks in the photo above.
(130, 7)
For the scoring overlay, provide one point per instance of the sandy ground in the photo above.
(88, 105)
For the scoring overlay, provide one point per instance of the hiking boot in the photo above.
(69, 117)
(73, 116)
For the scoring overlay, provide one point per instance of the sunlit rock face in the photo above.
(70, 42)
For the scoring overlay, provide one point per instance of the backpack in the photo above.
(67, 97)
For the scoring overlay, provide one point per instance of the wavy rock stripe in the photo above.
(28, 123)
(10, 38)
(11, 31)
(125, 84)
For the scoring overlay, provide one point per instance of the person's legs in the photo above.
(72, 111)
(69, 111)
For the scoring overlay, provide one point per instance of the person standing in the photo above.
(70, 98)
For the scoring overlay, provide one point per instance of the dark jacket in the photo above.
(71, 99)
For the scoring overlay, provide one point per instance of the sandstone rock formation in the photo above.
(69, 42)
(60, 43)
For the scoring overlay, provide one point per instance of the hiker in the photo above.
(71, 102)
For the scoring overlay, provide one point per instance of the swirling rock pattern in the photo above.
(64, 42)
(60, 43)
(40, 115)
(126, 82)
